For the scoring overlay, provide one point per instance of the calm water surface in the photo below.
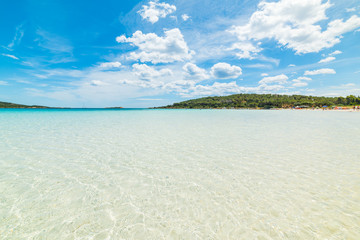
(179, 174)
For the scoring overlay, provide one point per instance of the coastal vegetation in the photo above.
(266, 101)
(14, 105)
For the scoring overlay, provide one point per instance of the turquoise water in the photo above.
(179, 174)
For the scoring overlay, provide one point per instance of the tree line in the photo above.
(266, 101)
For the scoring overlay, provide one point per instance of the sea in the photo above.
(179, 174)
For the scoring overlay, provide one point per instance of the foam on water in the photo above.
(179, 174)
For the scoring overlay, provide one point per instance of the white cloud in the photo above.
(19, 34)
(185, 17)
(246, 50)
(280, 79)
(258, 65)
(98, 83)
(3, 83)
(264, 74)
(350, 9)
(179, 87)
(194, 72)
(53, 73)
(336, 52)
(328, 59)
(299, 82)
(10, 56)
(150, 99)
(293, 24)
(264, 88)
(320, 71)
(149, 73)
(152, 48)
(41, 76)
(303, 79)
(215, 89)
(225, 71)
(349, 85)
(110, 65)
(219, 89)
(291, 65)
(156, 10)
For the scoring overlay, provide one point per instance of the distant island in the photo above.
(265, 101)
(14, 105)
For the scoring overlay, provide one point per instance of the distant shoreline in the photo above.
(270, 109)
(257, 109)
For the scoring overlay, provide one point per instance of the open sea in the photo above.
(179, 174)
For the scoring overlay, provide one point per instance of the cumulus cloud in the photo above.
(336, 52)
(146, 72)
(294, 25)
(320, 71)
(328, 59)
(280, 79)
(194, 72)
(152, 48)
(110, 65)
(185, 17)
(156, 10)
(225, 71)
(10, 56)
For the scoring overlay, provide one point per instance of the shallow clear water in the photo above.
(179, 174)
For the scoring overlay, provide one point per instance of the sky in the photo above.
(74, 53)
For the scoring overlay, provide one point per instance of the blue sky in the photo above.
(153, 53)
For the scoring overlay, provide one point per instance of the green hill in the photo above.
(14, 105)
(265, 101)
